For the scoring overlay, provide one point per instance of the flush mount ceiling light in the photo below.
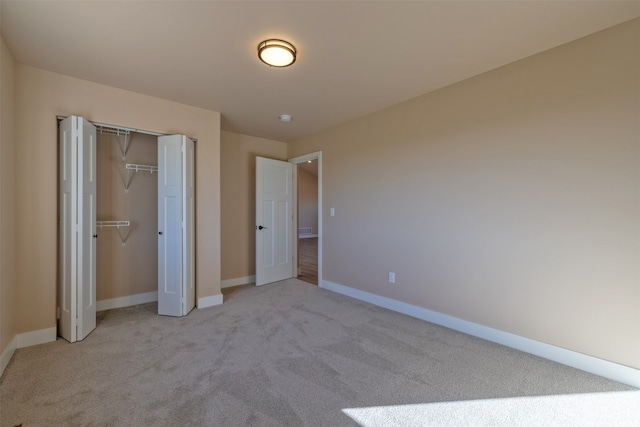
(285, 118)
(277, 53)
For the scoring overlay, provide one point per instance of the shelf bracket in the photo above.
(136, 168)
(109, 130)
(120, 225)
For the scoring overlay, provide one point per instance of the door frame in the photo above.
(297, 160)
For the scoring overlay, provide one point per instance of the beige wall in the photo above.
(8, 282)
(307, 200)
(40, 96)
(133, 268)
(510, 199)
(238, 181)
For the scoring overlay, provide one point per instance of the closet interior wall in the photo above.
(132, 268)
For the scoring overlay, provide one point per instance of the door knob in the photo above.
(160, 233)
(261, 227)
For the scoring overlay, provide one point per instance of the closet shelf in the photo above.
(141, 168)
(111, 130)
(116, 224)
(136, 168)
(119, 132)
(119, 225)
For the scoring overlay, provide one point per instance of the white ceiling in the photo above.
(355, 57)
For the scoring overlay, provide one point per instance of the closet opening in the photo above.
(126, 218)
(126, 222)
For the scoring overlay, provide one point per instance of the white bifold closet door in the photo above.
(77, 271)
(176, 267)
(176, 202)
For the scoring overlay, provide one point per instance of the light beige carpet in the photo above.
(290, 354)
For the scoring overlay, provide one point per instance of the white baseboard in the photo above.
(594, 365)
(128, 301)
(27, 339)
(40, 336)
(209, 301)
(7, 354)
(237, 281)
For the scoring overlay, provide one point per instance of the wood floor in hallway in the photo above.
(308, 260)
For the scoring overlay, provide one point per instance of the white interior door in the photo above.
(274, 217)
(77, 228)
(176, 266)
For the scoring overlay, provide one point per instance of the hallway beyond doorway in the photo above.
(308, 260)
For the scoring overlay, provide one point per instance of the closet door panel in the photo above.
(77, 257)
(189, 226)
(170, 238)
(87, 227)
(67, 258)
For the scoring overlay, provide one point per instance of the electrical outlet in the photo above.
(392, 277)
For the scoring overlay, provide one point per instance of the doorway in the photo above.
(127, 218)
(307, 229)
(308, 208)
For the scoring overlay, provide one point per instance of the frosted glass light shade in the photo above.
(277, 53)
